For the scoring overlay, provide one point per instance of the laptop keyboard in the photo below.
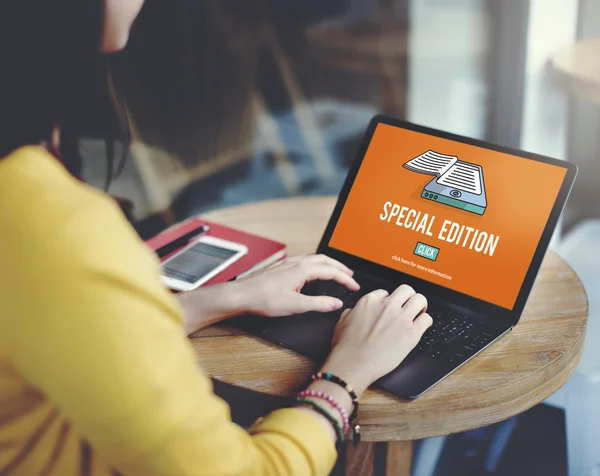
(453, 338)
(334, 289)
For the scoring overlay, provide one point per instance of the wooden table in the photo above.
(519, 371)
(576, 69)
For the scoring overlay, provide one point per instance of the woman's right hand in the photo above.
(372, 339)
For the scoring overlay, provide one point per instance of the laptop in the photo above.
(464, 222)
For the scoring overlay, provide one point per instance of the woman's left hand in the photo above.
(275, 291)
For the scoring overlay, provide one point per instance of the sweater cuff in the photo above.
(306, 432)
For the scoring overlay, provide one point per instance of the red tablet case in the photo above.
(261, 250)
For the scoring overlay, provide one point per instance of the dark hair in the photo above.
(188, 74)
(53, 74)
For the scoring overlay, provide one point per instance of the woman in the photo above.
(96, 373)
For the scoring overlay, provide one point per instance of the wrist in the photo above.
(331, 399)
(340, 395)
(206, 306)
(326, 421)
(357, 376)
(250, 296)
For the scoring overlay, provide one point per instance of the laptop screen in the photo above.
(458, 215)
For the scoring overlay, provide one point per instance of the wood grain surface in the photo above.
(399, 458)
(519, 371)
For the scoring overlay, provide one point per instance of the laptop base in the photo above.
(310, 334)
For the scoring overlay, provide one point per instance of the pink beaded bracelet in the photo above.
(332, 401)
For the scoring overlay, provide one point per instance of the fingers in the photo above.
(415, 305)
(321, 259)
(322, 267)
(344, 315)
(326, 272)
(380, 293)
(403, 292)
(423, 322)
(324, 259)
(301, 304)
(399, 297)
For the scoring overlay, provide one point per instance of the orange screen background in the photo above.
(520, 196)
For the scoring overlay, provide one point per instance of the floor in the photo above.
(537, 447)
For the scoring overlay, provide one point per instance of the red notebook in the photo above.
(262, 252)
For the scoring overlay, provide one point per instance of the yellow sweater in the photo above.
(96, 374)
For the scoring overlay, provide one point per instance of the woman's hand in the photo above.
(372, 339)
(275, 291)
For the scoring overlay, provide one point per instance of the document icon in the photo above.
(456, 183)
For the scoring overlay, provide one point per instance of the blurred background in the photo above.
(234, 101)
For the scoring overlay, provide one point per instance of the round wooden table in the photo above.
(521, 370)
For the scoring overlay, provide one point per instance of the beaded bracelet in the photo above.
(354, 416)
(336, 425)
(332, 401)
(335, 379)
